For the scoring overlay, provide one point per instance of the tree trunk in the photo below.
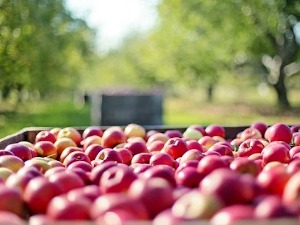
(209, 92)
(281, 91)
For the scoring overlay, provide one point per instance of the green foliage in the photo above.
(43, 47)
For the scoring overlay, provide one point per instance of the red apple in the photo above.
(136, 147)
(38, 194)
(67, 151)
(38, 162)
(275, 152)
(22, 151)
(62, 143)
(279, 132)
(193, 144)
(155, 146)
(192, 154)
(158, 136)
(291, 192)
(70, 132)
(11, 218)
(5, 152)
(221, 148)
(215, 130)
(207, 141)
(175, 147)
(66, 180)
(93, 150)
(199, 128)
(11, 162)
(210, 163)
(233, 214)
(250, 147)
(188, 177)
(60, 208)
(295, 128)
(45, 149)
(173, 133)
(250, 133)
(140, 168)
(108, 154)
(45, 135)
(90, 192)
(91, 131)
(293, 166)
(112, 137)
(84, 165)
(141, 158)
(167, 217)
(161, 158)
(118, 201)
(11, 200)
(85, 143)
(154, 193)
(195, 205)
(161, 171)
(245, 165)
(296, 139)
(98, 171)
(55, 131)
(294, 150)
(125, 154)
(75, 157)
(261, 126)
(117, 179)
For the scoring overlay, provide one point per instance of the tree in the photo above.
(42, 47)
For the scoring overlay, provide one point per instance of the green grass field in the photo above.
(226, 109)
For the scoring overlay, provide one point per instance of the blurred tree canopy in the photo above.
(42, 47)
(196, 42)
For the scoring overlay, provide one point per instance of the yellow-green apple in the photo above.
(91, 131)
(38, 193)
(195, 205)
(45, 135)
(112, 137)
(192, 134)
(279, 132)
(11, 162)
(70, 132)
(117, 179)
(175, 147)
(154, 193)
(199, 128)
(19, 150)
(5, 173)
(134, 130)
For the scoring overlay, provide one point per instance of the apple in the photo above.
(143, 157)
(155, 146)
(55, 131)
(195, 205)
(250, 133)
(54, 170)
(150, 133)
(39, 219)
(5, 173)
(75, 157)
(45, 149)
(125, 154)
(161, 158)
(158, 136)
(192, 134)
(295, 128)
(296, 139)
(136, 147)
(67, 151)
(11, 200)
(134, 130)
(11, 218)
(19, 150)
(112, 137)
(93, 150)
(90, 192)
(210, 163)
(118, 201)
(117, 179)
(291, 192)
(108, 154)
(5, 152)
(293, 166)
(215, 130)
(167, 217)
(154, 193)
(38, 193)
(199, 128)
(18, 181)
(271, 207)
(135, 139)
(175, 147)
(84, 165)
(85, 143)
(192, 154)
(245, 165)
(207, 141)
(91, 131)
(228, 185)
(233, 214)
(279, 132)
(162, 171)
(11, 162)
(98, 171)
(188, 177)
(38, 162)
(190, 163)
(45, 135)
(70, 132)
(66, 180)
(61, 208)
(222, 148)
(250, 147)
(275, 152)
(62, 143)
(139, 168)
(273, 180)
(261, 126)
(173, 133)
(193, 144)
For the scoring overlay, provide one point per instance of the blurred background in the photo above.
(229, 62)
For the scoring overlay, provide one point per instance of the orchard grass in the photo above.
(225, 109)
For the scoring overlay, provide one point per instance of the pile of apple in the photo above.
(126, 174)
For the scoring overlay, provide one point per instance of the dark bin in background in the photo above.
(108, 109)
